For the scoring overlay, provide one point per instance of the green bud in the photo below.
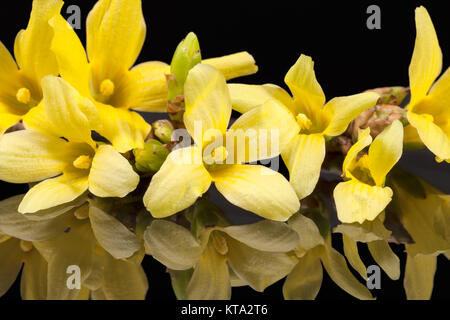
(151, 158)
(186, 56)
(163, 130)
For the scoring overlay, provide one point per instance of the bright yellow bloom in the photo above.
(429, 111)
(21, 86)
(303, 149)
(364, 196)
(115, 35)
(31, 156)
(187, 173)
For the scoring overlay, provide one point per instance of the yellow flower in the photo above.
(253, 255)
(115, 35)
(364, 196)
(31, 156)
(187, 174)
(303, 149)
(21, 87)
(428, 111)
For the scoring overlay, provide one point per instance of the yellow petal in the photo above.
(261, 133)
(431, 134)
(308, 232)
(208, 104)
(115, 35)
(54, 192)
(36, 119)
(32, 46)
(112, 235)
(211, 279)
(17, 225)
(125, 129)
(27, 156)
(305, 280)
(33, 283)
(172, 245)
(364, 139)
(111, 174)
(177, 185)
(338, 271)
(245, 97)
(11, 256)
(124, 280)
(259, 269)
(269, 236)
(358, 202)
(385, 151)
(302, 81)
(71, 114)
(70, 55)
(148, 89)
(343, 110)
(385, 258)
(426, 63)
(419, 277)
(234, 65)
(352, 255)
(304, 157)
(257, 189)
(7, 120)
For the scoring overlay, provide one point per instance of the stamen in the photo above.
(219, 154)
(303, 121)
(23, 95)
(82, 162)
(107, 88)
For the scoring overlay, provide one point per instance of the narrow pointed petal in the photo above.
(257, 189)
(33, 283)
(419, 277)
(111, 174)
(352, 255)
(11, 256)
(385, 258)
(364, 139)
(234, 65)
(181, 180)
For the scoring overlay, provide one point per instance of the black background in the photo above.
(349, 58)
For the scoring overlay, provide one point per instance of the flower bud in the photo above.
(163, 129)
(151, 157)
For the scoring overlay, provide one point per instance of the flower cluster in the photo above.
(108, 188)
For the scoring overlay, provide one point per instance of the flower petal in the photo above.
(112, 235)
(207, 102)
(304, 157)
(234, 65)
(124, 280)
(352, 255)
(115, 35)
(259, 269)
(11, 256)
(358, 202)
(426, 63)
(344, 110)
(385, 258)
(111, 174)
(257, 189)
(172, 245)
(364, 139)
(7, 120)
(180, 181)
(33, 283)
(211, 278)
(308, 232)
(245, 97)
(126, 130)
(419, 276)
(32, 46)
(269, 236)
(305, 280)
(385, 151)
(54, 192)
(27, 156)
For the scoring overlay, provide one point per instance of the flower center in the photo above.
(23, 95)
(82, 162)
(303, 122)
(107, 88)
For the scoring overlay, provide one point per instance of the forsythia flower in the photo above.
(428, 111)
(364, 196)
(31, 156)
(21, 87)
(187, 174)
(255, 253)
(303, 149)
